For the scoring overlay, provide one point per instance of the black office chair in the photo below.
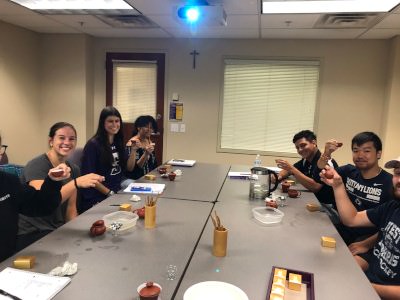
(76, 157)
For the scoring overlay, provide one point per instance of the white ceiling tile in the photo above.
(30, 21)
(127, 33)
(243, 18)
(380, 34)
(390, 22)
(214, 33)
(287, 21)
(79, 21)
(10, 8)
(311, 33)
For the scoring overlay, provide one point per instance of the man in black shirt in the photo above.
(303, 170)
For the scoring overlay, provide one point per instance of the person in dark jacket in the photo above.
(16, 198)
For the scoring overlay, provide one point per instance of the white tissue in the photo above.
(135, 198)
(178, 172)
(67, 269)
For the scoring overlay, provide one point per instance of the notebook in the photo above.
(182, 162)
(31, 285)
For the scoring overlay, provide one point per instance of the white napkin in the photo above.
(67, 269)
(178, 172)
(135, 198)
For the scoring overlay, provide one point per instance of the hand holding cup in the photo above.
(61, 172)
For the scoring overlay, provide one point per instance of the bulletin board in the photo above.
(175, 111)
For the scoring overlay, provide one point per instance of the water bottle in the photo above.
(257, 161)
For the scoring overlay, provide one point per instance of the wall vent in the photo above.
(127, 21)
(345, 21)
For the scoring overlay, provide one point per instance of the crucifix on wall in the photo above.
(194, 53)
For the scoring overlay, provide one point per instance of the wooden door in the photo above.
(150, 58)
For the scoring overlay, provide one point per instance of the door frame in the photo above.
(159, 58)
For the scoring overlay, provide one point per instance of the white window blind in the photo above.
(134, 89)
(265, 103)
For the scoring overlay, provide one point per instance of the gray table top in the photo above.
(254, 249)
(202, 182)
(112, 267)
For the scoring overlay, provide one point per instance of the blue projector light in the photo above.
(189, 13)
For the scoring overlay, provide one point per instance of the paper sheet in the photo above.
(30, 285)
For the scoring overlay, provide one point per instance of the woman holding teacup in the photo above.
(140, 148)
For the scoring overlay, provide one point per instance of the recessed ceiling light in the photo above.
(73, 4)
(327, 6)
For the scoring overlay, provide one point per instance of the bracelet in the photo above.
(76, 184)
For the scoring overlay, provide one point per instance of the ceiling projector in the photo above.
(206, 14)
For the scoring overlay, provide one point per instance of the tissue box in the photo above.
(24, 262)
(125, 207)
(294, 282)
(329, 242)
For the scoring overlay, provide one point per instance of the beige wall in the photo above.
(391, 116)
(352, 87)
(19, 92)
(65, 75)
(358, 86)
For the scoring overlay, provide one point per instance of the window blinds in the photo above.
(266, 102)
(134, 89)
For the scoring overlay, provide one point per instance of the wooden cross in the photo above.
(194, 53)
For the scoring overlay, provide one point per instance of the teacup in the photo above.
(171, 176)
(162, 170)
(294, 193)
(149, 291)
(285, 186)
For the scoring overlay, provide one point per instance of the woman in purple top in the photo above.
(104, 154)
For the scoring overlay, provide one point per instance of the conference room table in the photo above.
(295, 243)
(202, 182)
(112, 267)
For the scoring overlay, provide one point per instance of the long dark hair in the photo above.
(101, 136)
(143, 121)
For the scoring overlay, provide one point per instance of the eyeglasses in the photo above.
(3, 149)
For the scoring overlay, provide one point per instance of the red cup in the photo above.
(292, 193)
(285, 186)
(171, 176)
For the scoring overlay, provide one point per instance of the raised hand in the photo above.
(61, 172)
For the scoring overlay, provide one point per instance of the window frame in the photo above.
(293, 154)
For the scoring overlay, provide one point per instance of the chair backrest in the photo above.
(4, 159)
(13, 169)
(76, 157)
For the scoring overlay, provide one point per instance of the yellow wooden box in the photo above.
(150, 177)
(327, 241)
(294, 282)
(280, 273)
(24, 262)
(125, 207)
(313, 207)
